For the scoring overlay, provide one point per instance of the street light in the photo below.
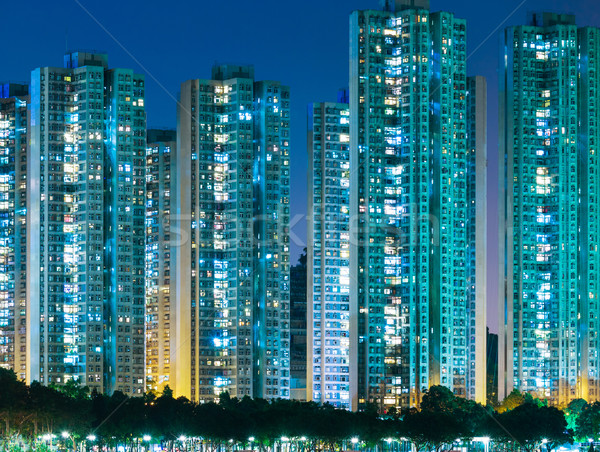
(146, 438)
(66, 435)
(485, 440)
(48, 439)
(182, 439)
(486, 443)
(91, 438)
(282, 440)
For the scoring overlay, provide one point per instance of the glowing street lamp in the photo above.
(91, 438)
(66, 435)
(354, 440)
(146, 438)
(486, 443)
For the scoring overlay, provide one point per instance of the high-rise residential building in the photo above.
(230, 288)
(85, 225)
(298, 297)
(476, 224)
(160, 148)
(410, 308)
(550, 193)
(13, 238)
(328, 309)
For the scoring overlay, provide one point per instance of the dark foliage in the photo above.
(29, 412)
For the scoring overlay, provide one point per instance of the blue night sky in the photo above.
(304, 44)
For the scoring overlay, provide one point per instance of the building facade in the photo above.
(85, 224)
(230, 238)
(13, 235)
(476, 224)
(410, 309)
(328, 269)
(161, 146)
(549, 258)
(298, 354)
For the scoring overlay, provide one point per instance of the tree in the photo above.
(573, 411)
(468, 417)
(587, 424)
(13, 409)
(429, 429)
(530, 424)
(73, 389)
(513, 400)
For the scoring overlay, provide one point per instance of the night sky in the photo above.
(303, 44)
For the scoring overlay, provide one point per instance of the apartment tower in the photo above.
(230, 288)
(160, 149)
(328, 280)
(85, 225)
(550, 193)
(13, 235)
(410, 309)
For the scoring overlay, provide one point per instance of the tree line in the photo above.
(520, 423)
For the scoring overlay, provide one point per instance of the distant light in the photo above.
(230, 440)
(47, 437)
(65, 434)
(284, 439)
(303, 438)
(91, 437)
(544, 441)
(388, 440)
(182, 438)
(251, 438)
(354, 440)
(146, 437)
